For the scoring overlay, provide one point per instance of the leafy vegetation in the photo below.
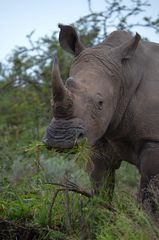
(31, 205)
(29, 198)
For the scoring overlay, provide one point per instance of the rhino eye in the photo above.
(99, 101)
(100, 104)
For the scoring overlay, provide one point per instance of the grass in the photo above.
(28, 200)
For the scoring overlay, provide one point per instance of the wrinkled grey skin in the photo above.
(112, 99)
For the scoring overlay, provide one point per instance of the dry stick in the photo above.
(68, 211)
(51, 206)
(65, 187)
(67, 204)
(84, 231)
(75, 188)
(72, 187)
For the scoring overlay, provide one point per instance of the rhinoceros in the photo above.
(111, 98)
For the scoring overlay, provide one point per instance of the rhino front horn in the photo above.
(58, 87)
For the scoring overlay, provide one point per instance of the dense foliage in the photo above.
(28, 170)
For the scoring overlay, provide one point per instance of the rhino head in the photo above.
(85, 105)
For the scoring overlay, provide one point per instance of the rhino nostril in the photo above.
(80, 135)
(46, 142)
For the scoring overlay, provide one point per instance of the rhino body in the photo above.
(112, 99)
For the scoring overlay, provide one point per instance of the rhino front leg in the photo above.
(103, 180)
(149, 169)
(103, 170)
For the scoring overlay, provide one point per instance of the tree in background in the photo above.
(122, 15)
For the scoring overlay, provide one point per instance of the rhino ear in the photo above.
(69, 40)
(127, 50)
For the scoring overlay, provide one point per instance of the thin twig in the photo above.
(51, 206)
(67, 210)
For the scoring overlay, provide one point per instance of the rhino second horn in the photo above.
(58, 87)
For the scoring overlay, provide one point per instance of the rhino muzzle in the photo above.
(62, 134)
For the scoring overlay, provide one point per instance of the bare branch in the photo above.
(72, 187)
(90, 6)
(54, 196)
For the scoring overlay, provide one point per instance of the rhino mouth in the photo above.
(63, 134)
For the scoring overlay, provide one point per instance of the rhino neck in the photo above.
(132, 76)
